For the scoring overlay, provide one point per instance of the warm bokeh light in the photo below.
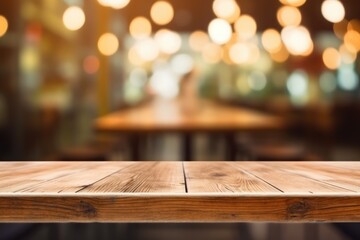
(134, 57)
(212, 53)
(117, 4)
(108, 44)
(147, 49)
(240, 53)
(244, 53)
(347, 56)
(220, 31)
(169, 42)
(354, 24)
(140, 27)
(73, 18)
(182, 63)
(281, 56)
(297, 40)
(295, 3)
(340, 28)
(245, 27)
(226, 9)
(162, 12)
(271, 40)
(352, 40)
(91, 64)
(331, 58)
(197, 40)
(289, 16)
(164, 82)
(333, 10)
(3, 25)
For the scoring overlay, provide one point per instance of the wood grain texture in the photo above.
(179, 192)
(159, 116)
(222, 177)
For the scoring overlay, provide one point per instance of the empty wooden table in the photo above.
(162, 116)
(179, 191)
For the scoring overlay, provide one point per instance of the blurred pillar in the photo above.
(104, 70)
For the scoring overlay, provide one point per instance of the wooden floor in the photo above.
(179, 191)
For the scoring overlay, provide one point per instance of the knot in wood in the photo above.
(299, 208)
(87, 209)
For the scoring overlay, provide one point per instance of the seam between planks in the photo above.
(185, 179)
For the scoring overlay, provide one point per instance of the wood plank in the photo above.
(287, 182)
(324, 173)
(181, 208)
(145, 177)
(222, 177)
(35, 174)
(75, 181)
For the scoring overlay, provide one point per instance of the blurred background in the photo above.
(64, 63)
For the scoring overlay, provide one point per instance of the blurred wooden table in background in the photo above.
(178, 117)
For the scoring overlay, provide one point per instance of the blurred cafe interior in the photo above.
(66, 63)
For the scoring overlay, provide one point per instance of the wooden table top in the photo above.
(161, 115)
(179, 191)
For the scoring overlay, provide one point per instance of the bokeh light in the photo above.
(165, 82)
(226, 9)
(197, 40)
(162, 12)
(333, 11)
(117, 4)
(134, 57)
(3, 25)
(212, 53)
(289, 16)
(147, 49)
(354, 24)
(140, 27)
(331, 58)
(240, 53)
(257, 80)
(108, 44)
(73, 18)
(295, 3)
(169, 42)
(298, 83)
(271, 40)
(297, 40)
(245, 27)
(182, 64)
(91, 64)
(352, 40)
(281, 56)
(348, 79)
(347, 56)
(220, 31)
(327, 82)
